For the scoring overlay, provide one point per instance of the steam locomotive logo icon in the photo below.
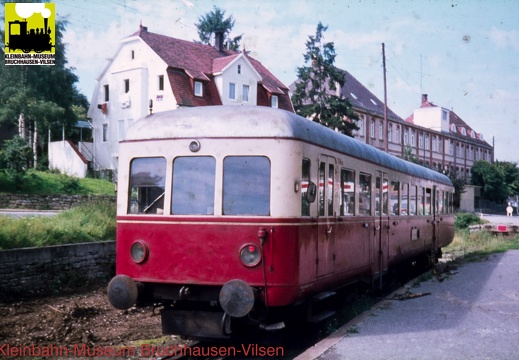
(29, 28)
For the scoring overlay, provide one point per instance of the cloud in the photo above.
(504, 39)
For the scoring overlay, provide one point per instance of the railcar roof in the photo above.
(259, 121)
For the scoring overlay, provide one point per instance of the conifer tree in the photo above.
(214, 22)
(316, 96)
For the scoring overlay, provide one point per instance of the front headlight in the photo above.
(250, 255)
(139, 251)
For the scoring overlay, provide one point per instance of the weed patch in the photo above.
(92, 222)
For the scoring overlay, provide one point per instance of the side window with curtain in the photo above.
(394, 198)
(364, 194)
(348, 192)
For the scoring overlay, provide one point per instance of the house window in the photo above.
(397, 134)
(105, 132)
(232, 91)
(274, 101)
(426, 141)
(107, 93)
(161, 82)
(133, 54)
(126, 85)
(360, 124)
(372, 129)
(412, 137)
(440, 149)
(444, 115)
(239, 69)
(406, 137)
(420, 141)
(245, 93)
(199, 88)
(434, 145)
(380, 131)
(389, 133)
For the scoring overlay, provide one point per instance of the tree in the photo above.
(316, 96)
(14, 159)
(491, 180)
(214, 22)
(510, 174)
(40, 98)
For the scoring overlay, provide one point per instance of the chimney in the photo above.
(424, 98)
(218, 40)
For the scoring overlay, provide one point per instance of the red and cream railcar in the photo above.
(228, 213)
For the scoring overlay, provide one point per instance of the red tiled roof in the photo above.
(188, 60)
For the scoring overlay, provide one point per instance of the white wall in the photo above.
(65, 159)
(123, 109)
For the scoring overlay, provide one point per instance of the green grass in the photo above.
(91, 222)
(475, 246)
(48, 183)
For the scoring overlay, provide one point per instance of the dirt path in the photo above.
(84, 320)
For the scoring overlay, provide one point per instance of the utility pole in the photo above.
(386, 125)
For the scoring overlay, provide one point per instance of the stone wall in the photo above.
(47, 202)
(32, 272)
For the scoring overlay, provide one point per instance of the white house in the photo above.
(153, 72)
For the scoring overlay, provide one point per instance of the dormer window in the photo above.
(199, 88)
(473, 134)
(274, 101)
(463, 131)
(444, 115)
(453, 128)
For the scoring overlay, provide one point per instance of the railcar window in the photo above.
(305, 177)
(421, 199)
(413, 197)
(329, 189)
(364, 194)
(384, 196)
(394, 198)
(193, 185)
(146, 192)
(246, 185)
(437, 202)
(428, 202)
(348, 192)
(322, 169)
(404, 199)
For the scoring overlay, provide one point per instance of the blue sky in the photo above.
(463, 53)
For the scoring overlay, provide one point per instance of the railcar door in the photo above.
(326, 216)
(381, 231)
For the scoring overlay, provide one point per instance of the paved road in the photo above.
(501, 219)
(19, 213)
(473, 314)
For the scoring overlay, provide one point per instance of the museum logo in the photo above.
(30, 36)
